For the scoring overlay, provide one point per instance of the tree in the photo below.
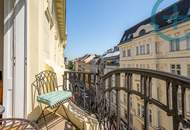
(71, 65)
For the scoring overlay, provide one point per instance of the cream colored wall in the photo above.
(163, 59)
(43, 45)
(1, 33)
(33, 45)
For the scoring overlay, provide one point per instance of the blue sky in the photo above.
(93, 26)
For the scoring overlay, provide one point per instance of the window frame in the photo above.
(175, 45)
(128, 52)
(123, 53)
(137, 50)
(175, 69)
(147, 48)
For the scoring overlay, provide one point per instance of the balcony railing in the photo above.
(102, 96)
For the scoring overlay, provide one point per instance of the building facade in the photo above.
(142, 47)
(111, 59)
(87, 63)
(34, 38)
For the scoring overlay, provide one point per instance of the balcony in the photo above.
(102, 97)
(113, 102)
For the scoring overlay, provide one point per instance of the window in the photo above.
(138, 87)
(131, 103)
(148, 48)
(130, 36)
(174, 45)
(142, 32)
(128, 52)
(188, 12)
(125, 98)
(144, 66)
(124, 38)
(124, 53)
(142, 49)
(150, 116)
(137, 50)
(148, 66)
(188, 70)
(142, 111)
(176, 69)
(188, 42)
(138, 109)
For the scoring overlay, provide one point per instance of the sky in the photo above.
(94, 26)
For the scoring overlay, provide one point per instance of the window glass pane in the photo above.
(141, 50)
(138, 111)
(137, 50)
(148, 48)
(178, 72)
(177, 44)
(173, 66)
(128, 52)
(178, 66)
(124, 53)
(171, 45)
(142, 111)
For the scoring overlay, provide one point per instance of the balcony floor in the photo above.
(56, 123)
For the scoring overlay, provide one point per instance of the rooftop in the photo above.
(182, 8)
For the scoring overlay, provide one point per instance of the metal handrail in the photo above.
(173, 84)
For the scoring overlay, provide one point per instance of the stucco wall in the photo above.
(1, 34)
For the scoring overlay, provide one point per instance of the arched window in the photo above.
(188, 12)
(130, 36)
(142, 32)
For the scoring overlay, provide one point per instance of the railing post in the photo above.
(109, 94)
(168, 95)
(183, 101)
(145, 103)
(117, 84)
(67, 80)
(129, 83)
(89, 80)
(84, 90)
(175, 106)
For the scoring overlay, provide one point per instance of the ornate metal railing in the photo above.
(171, 100)
(17, 124)
(84, 88)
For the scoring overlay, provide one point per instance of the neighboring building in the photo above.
(142, 47)
(87, 63)
(32, 39)
(111, 59)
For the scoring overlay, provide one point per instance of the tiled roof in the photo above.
(183, 9)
